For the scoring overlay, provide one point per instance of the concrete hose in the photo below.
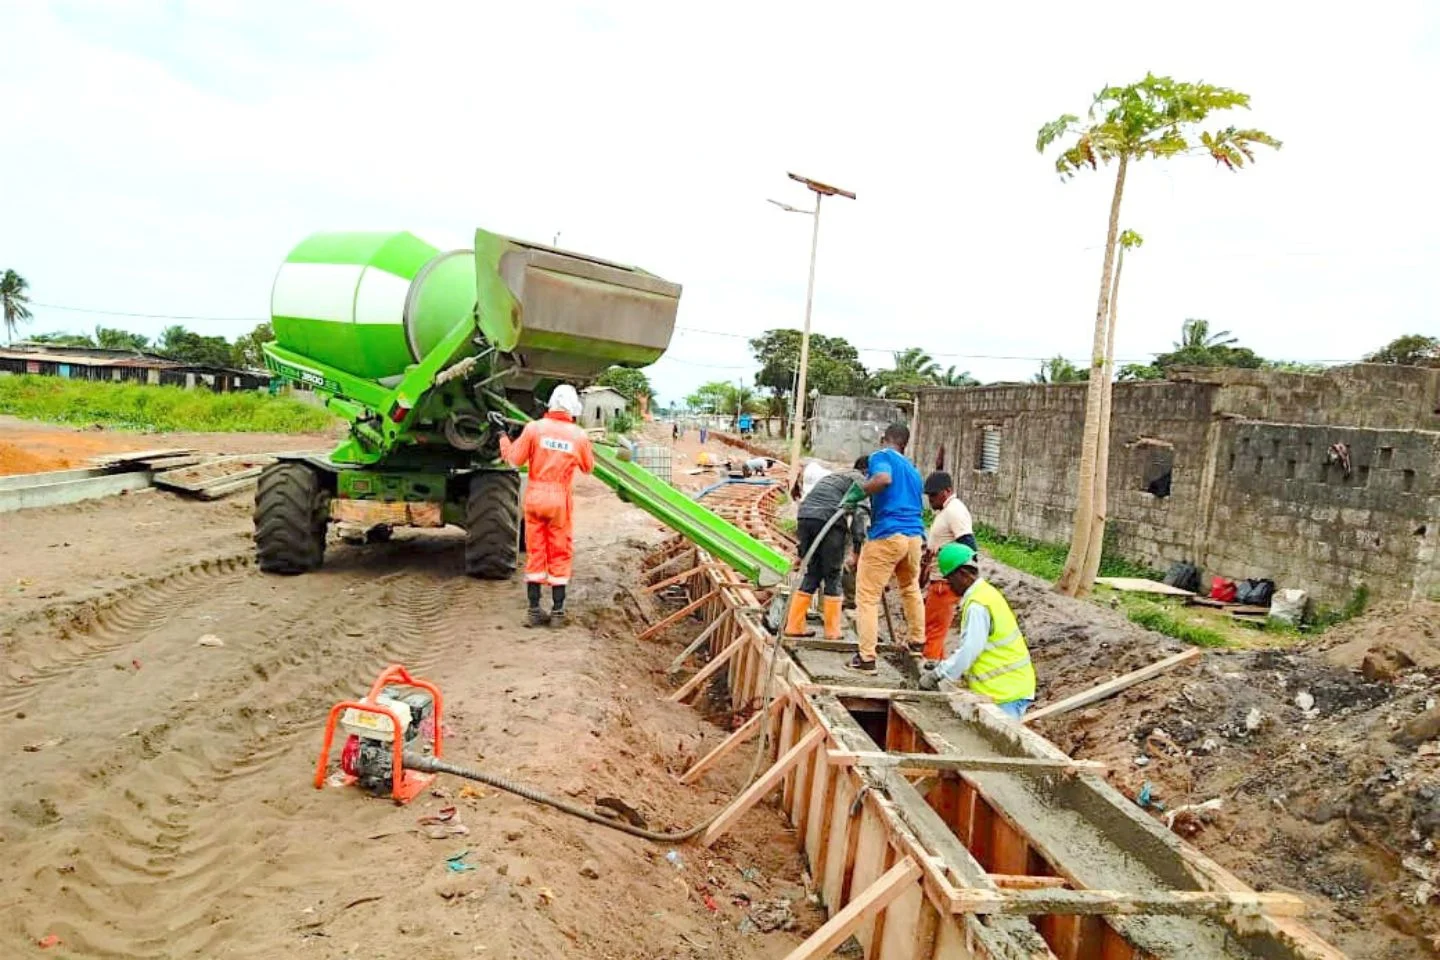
(464, 431)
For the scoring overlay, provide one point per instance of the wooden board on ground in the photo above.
(1111, 687)
(1207, 602)
(211, 473)
(1141, 585)
(137, 456)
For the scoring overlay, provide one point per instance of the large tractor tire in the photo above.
(492, 525)
(292, 509)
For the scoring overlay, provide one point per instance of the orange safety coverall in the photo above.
(554, 448)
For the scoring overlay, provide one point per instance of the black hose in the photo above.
(434, 765)
(428, 764)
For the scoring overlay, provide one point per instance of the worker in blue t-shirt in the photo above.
(892, 547)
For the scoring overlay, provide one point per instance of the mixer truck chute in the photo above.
(413, 347)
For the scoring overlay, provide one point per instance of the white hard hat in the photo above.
(565, 398)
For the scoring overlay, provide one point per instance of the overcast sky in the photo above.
(162, 158)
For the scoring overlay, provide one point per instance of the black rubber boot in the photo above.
(557, 606)
(535, 617)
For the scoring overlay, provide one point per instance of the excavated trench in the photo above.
(1068, 831)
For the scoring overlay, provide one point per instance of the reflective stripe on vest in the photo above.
(1003, 670)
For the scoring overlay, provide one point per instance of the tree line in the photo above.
(174, 343)
(836, 370)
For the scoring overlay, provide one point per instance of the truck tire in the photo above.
(292, 510)
(492, 525)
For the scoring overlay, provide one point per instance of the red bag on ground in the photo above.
(1222, 590)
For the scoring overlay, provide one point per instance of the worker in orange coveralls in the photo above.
(553, 447)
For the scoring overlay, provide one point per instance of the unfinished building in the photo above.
(1323, 482)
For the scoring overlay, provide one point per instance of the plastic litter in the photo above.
(457, 864)
(675, 860)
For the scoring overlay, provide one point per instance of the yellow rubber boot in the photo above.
(832, 610)
(795, 617)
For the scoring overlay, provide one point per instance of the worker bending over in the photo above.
(828, 561)
(553, 447)
(992, 655)
(952, 524)
(892, 548)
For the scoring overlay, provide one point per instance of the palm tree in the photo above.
(14, 302)
(914, 365)
(1059, 370)
(1196, 333)
(1155, 118)
(952, 378)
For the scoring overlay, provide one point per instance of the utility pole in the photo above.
(821, 190)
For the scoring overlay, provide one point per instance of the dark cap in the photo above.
(938, 482)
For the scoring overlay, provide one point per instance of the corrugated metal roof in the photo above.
(82, 360)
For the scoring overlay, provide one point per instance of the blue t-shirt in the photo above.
(897, 509)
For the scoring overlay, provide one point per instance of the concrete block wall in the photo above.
(1281, 510)
(845, 427)
(1233, 506)
(1360, 395)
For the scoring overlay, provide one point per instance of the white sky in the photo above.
(162, 157)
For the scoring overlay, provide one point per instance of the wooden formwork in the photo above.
(904, 805)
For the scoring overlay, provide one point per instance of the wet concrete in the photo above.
(826, 666)
(1063, 820)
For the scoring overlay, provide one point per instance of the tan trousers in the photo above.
(897, 556)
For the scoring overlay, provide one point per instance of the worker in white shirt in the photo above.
(952, 524)
(814, 471)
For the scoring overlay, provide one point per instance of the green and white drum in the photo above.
(370, 304)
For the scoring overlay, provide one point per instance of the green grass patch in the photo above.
(1161, 619)
(788, 524)
(129, 406)
(1046, 560)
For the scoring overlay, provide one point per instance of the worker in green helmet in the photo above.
(992, 655)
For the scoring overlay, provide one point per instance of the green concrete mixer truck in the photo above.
(415, 348)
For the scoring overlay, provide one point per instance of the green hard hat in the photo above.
(953, 556)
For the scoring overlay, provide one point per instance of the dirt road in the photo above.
(158, 801)
(30, 447)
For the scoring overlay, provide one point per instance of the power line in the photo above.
(145, 316)
(679, 329)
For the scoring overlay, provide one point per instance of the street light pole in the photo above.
(821, 190)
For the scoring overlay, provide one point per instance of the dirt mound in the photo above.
(1388, 641)
(1319, 775)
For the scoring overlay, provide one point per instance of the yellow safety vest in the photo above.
(1002, 672)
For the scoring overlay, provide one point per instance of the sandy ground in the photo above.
(158, 800)
(30, 447)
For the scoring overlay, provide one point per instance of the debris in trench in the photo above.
(209, 640)
(771, 915)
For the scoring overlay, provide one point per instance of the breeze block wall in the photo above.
(1247, 495)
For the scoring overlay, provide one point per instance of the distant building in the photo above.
(123, 366)
(601, 405)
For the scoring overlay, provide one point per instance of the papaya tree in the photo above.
(1157, 118)
(1129, 240)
